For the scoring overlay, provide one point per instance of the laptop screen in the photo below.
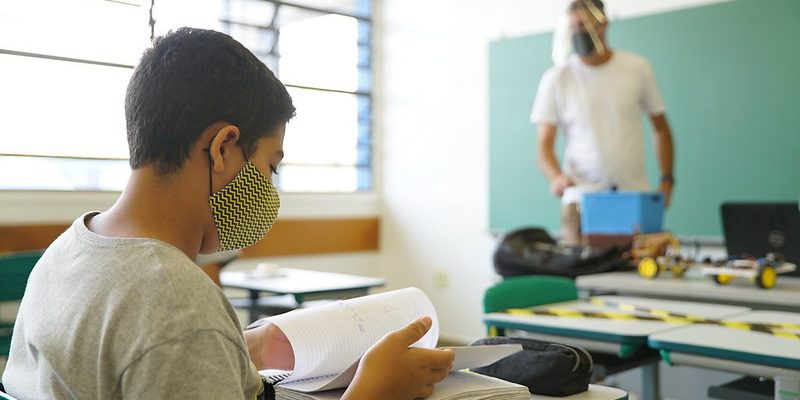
(756, 229)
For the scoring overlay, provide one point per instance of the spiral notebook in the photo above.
(332, 338)
(459, 385)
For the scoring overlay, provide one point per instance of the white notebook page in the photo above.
(328, 339)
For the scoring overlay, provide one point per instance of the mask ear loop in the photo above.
(244, 153)
(208, 150)
(222, 151)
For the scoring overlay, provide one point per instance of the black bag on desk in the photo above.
(531, 251)
(546, 368)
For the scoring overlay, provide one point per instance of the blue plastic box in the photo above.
(622, 212)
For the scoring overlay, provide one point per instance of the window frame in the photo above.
(364, 164)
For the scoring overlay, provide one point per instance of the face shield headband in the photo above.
(588, 43)
(585, 42)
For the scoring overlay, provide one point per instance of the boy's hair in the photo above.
(189, 79)
(582, 4)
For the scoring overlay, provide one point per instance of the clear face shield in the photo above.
(578, 30)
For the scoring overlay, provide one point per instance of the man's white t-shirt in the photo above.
(599, 109)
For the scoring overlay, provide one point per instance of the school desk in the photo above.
(785, 296)
(302, 285)
(748, 352)
(595, 392)
(622, 335)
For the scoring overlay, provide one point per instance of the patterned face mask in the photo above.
(245, 209)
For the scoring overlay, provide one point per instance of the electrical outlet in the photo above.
(440, 279)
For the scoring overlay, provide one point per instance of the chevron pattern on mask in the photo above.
(245, 209)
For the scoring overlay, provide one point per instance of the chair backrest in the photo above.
(14, 271)
(528, 291)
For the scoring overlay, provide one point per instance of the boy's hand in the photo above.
(269, 348)
(392, 370)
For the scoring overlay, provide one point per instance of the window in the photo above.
(67, 87)
(64, 67)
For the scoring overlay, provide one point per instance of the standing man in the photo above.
(597, 98)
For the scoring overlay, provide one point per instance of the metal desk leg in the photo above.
(253, 309)
(650, 386)
(787, 388)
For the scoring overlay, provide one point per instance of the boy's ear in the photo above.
(225, 138)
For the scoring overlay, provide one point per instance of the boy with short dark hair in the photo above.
(116, 308)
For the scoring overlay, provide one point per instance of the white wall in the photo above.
(431, 120)
(432, 152)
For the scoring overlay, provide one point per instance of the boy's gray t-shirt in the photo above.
(111, 318)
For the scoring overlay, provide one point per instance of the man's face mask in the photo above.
(245, 209)
(583, 44)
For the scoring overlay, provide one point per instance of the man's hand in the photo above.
(392, 370)
(559, 184)
(666, 190)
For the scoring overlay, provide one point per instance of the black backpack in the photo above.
(532, 251)
(550, 369)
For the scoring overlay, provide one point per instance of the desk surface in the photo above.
(298, 281)
(735, 344)
(595, 392)
(610, 330)
(784, 296)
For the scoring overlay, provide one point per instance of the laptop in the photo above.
(756, 229)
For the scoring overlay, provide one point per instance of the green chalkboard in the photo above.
(730, 77)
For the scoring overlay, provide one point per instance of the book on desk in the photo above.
(328, 342)
(461, 385)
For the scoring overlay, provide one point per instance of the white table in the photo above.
(595, 392)
(304, 285)
(784, 296)
(609, 335)
(739, 351)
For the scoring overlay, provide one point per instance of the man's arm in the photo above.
(663, 143)
(548, 163)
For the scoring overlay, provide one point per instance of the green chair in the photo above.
(14, 271)
(527, 291)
